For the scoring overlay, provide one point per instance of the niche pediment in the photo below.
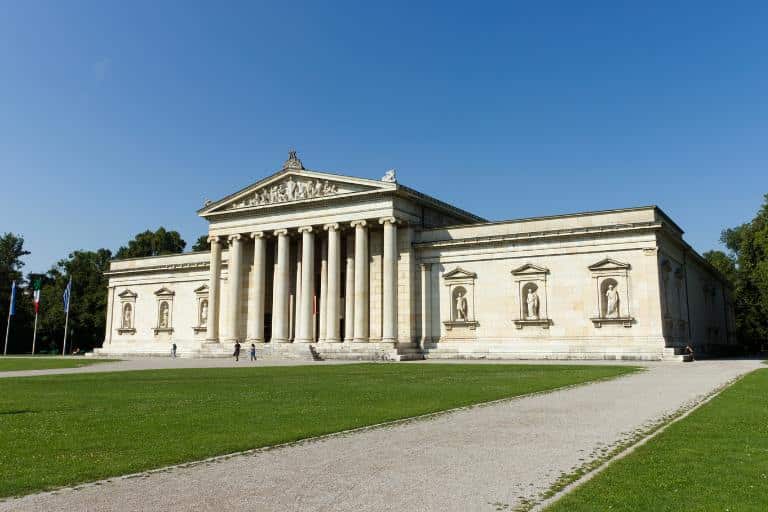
(165, 292)
(530, 269)
(459, 273)
(609, 264)
(127, 294)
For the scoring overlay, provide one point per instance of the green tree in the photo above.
(152, 243)
(88, 302)
(202, 244)
(748, 246)
(724, 263)
(11, 253)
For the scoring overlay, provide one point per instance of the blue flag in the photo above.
(13, 299)
(67, 293)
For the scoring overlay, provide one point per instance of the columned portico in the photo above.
(214, 290)
(361, 282)
(304, 331)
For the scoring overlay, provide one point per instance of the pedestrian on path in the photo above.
(237, 351)
(253, 352)
(173, 351)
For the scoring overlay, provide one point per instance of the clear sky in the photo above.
(116, 117)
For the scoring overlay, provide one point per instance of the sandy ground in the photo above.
(469, 459)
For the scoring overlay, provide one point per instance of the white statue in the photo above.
(290, 189)
(204, 313)
(164, 315)
(127, 320)
(461, 307)
(532, 301)
(389, 176)
(611, 302)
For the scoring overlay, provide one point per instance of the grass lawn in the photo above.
(58, 430)
(715, 459)
(13, 363)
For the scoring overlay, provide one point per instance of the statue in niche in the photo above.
(164, 315)
(532, 304)
(461, 307)
(204, 313)
(127, 317)
(611, 302)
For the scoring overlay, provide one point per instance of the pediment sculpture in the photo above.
(288, 190)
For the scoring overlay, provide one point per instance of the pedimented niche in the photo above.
(164, 300)
(531, 286)
(460, 285)
(612, 289)
(201, 296)
(127, 312)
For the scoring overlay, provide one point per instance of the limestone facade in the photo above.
(314, 264)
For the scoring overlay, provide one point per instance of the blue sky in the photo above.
(116, 117)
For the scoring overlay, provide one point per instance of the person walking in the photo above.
(173, 351)
(253, 352)
(237, 351)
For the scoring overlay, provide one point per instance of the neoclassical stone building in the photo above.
(313, 264)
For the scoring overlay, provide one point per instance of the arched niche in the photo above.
(127, 310)
(460, 286)
(164, 317)
(201, 310)
(531, 289)
(612, 293)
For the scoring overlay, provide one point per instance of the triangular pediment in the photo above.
(127, 294)
(530, 268)
(609, 264)
(294, 186)
(165, 292)
(459, 273)
(202, 290)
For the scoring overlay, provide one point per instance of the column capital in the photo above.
(280, 232)
(235, 237)
(257, 234)
(333, 226)
(388, 220)
(356, 223)
(305, 229)
(214, 239)
(425, 266)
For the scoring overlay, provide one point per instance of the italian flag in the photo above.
(38, 284)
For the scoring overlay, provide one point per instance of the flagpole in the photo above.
(34, 335)
(7, 330)
(66, 324)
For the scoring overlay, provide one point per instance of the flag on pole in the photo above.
(67, 293)
(37, 285)
(13, 300)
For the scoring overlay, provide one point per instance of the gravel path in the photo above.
(465, 460)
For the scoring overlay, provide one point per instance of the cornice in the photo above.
(558, 233)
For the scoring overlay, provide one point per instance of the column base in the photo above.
(257, 341)
(360, 340)
(303, 341)
(330, 340)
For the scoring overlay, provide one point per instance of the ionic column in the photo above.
(323, 299)
(214, 291)
(235, 286)
(304, 329)
(259, 286)
(333, 284)
(389, 281)
(349, 291)
(297, 293)
(280, 301)
(426, 303)
(361, 281)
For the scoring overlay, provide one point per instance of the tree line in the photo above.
(745, 265)
(87, 316)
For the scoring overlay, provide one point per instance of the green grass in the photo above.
(714, 459)
(14, 363)
(60, 430)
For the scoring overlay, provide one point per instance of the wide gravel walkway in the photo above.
(480, 458)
